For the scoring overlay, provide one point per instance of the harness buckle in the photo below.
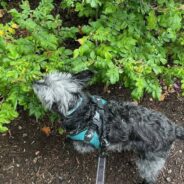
(88, 136)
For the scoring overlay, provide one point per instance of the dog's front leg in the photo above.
(82, 147)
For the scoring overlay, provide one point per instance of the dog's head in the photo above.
(61, 89)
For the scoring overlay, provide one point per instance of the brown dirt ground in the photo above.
(29, 157)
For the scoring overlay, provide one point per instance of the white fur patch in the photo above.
(57, 88)
(82, 148)
(149, 169)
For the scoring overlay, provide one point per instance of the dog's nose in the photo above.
(34, 83)
(39, 82)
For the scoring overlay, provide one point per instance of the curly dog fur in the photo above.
(129, 127)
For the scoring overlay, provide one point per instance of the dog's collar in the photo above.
(75, 108)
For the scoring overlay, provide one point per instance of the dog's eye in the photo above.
(54, 107)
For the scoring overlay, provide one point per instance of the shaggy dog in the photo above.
(114, 125)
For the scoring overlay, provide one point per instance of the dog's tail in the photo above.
(179, 132)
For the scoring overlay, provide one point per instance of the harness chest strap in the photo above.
(87, 136)
(90, 135)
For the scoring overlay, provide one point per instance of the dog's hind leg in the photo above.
(150, 165)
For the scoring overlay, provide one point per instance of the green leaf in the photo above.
(3, 128)
(152, 20)
(15, 14)
(37, 111)
(157, 70)
(93, 3)
(171, 20)
(92, 55)
(113, 75)
(76, 53)
(109, 8)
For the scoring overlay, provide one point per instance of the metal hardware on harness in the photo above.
(100, 178)
(95, 134)
(87, 136)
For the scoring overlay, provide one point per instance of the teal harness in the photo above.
(90, 135)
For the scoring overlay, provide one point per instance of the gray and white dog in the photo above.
(122, 125)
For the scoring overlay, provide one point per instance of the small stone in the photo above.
(37, 152)
(35, 160)
(151, 99)
(24, 135)
(19, 127)
(168, 179)
(108, 91)
(32, 142)
(18, 165)
(180, 151)
(60, 178)
(169, 171)
(165, 88)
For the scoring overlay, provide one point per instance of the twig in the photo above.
(77, 160)
(174, 154)
(181, 168)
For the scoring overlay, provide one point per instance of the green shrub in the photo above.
(136, 43)
(32, 43)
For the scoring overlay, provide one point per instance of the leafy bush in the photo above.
(32, 43)
(136, 43)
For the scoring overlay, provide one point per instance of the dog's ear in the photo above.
(85, 75)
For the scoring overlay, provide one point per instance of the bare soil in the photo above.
(27, 156)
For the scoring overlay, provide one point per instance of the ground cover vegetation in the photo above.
(138, 44)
